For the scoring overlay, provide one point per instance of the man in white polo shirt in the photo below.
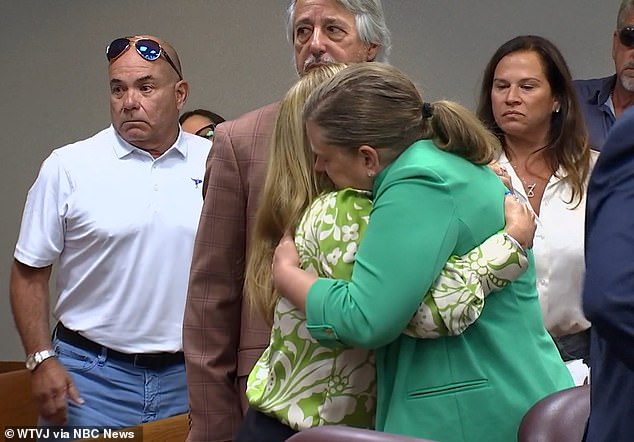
(119, 212)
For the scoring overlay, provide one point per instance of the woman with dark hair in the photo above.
(528, 100)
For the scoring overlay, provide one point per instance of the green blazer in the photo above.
(429, 205)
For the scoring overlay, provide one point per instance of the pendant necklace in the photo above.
(530, 188)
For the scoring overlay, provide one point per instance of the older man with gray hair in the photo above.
(603, 100)
(222, 336)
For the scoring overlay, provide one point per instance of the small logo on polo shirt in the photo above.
(197, 182)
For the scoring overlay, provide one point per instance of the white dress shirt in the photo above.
(559, 253)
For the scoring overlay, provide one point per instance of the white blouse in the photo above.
(559, 252)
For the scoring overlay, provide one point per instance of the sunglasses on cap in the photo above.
(626, 36)
(147, 48)
(207, 131)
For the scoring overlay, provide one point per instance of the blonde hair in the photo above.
(290, 186)
(377, 105)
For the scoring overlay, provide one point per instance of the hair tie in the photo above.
(428, 110)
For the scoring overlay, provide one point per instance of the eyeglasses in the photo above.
(626, 36)
(146, 47)
(207, 131)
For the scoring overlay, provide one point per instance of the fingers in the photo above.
(513, 207)
(73, 393)
(286, 253)
(511, 200)
(54, 406)
(520, 220)
(286, 238)
(505, 178)
(501, 173)
(495, 167)
(52, 387)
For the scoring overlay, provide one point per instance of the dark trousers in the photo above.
(258, 427)
(575, 346)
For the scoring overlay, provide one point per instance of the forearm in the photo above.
(29, 294)
(497, 262)
(395, 265)
(51, 385)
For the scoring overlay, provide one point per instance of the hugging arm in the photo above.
(456, 299)
(329, 233)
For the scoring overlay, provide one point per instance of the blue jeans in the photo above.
(118, 394)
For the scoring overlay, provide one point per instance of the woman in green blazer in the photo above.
(433, 197)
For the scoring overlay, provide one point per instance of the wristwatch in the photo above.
(35, 359)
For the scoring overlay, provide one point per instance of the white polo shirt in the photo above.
(559, 253)
(122, 225)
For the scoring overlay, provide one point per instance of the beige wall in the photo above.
(236, 57)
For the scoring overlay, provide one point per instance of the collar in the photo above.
(122, 148)
(610, 104)
(601, 95)
(403, 157)
(555, 178)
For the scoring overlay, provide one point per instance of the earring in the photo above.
(557, 110)
(370, 173)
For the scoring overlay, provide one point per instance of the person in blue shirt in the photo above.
(604, 99)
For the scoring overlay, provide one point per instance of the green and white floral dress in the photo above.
(303, 383)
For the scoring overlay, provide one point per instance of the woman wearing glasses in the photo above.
(527, 99)
(200, 122)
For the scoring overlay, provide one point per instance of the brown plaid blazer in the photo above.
(222, 339)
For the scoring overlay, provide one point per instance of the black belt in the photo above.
(142, 360)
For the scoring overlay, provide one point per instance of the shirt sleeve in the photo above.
(402, 252)
(41, 238)
(328, 236)
(456, 299)
(212, 320)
